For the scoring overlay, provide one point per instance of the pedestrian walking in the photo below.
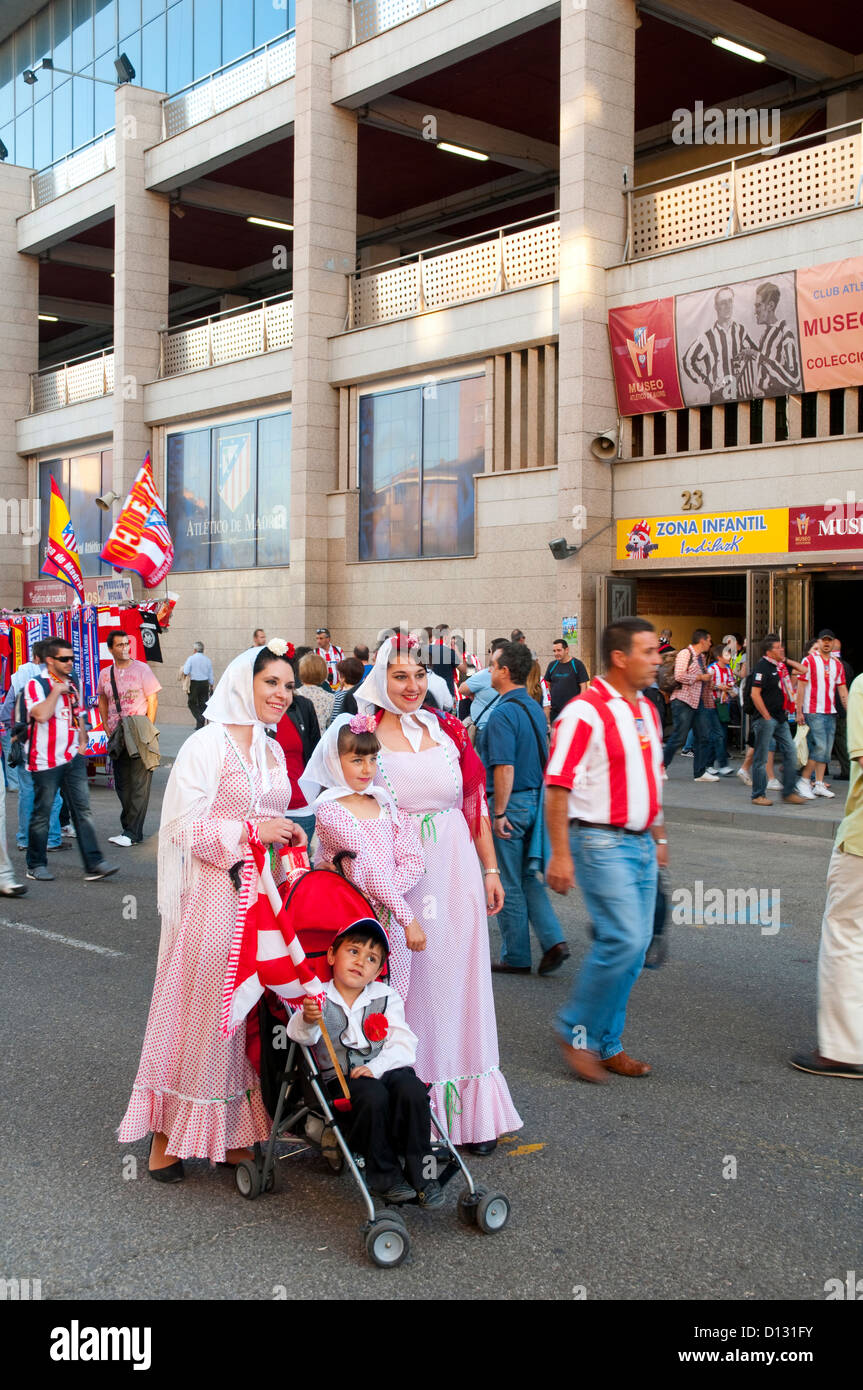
(768, 694)
(129, 690)
(330, 654)
(9, 712)
(691, 699)
(724, 692)
(840, 742)
(566, 676)
(840, 956)
(514, 746)
(199, 669)
(820, 689)
(57, 740)
(604, 810)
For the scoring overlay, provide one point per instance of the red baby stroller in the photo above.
(317, 905)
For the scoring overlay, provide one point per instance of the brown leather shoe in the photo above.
(763, 801)
(553, 959)
(582, 1062)
(795, 799)
(626, 1066)
(498, 968)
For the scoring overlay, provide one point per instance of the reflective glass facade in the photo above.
(80, 479)
(169, 44)
(419, 450)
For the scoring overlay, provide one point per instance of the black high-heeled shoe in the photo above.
(173, 1173)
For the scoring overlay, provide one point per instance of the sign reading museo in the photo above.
(775, 335)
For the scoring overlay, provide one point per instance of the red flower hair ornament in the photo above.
(376, 1027)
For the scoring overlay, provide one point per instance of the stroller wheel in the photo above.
(492, 1212)
(387, 1242)
(467, 1205)
(331, 1151)
(248, 1179)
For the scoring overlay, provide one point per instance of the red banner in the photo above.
(645, 358)
(825, 528)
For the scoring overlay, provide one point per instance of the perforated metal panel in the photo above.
(690, 212)
(389, 295)
(231, 85)
(797, 184)
(461, 275)
(532, 255)
(73, 382)
(81, 166)
(372, 17)
(266, 328)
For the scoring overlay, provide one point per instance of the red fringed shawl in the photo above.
(474, 805)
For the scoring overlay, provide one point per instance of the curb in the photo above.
(777, 824)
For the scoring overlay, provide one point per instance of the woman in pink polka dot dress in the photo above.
(450, 1003)
(196, 1091)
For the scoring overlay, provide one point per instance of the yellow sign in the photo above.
(703, 534)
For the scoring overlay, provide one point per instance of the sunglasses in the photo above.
(64, 658)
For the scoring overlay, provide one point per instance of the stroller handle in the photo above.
(343, 854)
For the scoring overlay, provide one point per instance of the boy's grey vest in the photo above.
(336, 1021)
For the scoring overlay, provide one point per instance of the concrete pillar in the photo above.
(844, 106)
(19, 309)
(141, 262)
(597, 95)
(325, 203)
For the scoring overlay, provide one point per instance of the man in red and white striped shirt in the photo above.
(604, 812)
(822, 678)
(58, 736)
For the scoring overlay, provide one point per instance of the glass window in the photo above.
(131, 46)
(274, 490)
(151, 8)
(237, 31)
(59, 470)
(82, 34)
(390, 434)
(42, 133)
(7, 81)
(61, 12)
(153, 55)
(207, 47)
(83, 106)
(419, 450)
(24, 59)
(453, 450)
(188, 498)
(42, 34)
(7, 135)
(104, 26)
(270, 21)
(24, 139)
(179, 46)
(104, 115)
(128, 17)
(228, 495)
(84, 486)
(233, 510)
(62, 119)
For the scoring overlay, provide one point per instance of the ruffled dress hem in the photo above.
(475, 1109)
(196, 1129)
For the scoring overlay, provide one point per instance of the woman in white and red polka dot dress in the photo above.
(196, 1091)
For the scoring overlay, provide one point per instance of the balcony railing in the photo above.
(256, 328)
(370, 17)
(77, 167)
(759, 189)
(79, 379)
(523, 253)
(245, 77)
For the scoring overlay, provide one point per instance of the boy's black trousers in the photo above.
(388, 1117)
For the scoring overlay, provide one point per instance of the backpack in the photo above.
(665, 676)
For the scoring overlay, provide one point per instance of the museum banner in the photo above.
(644, 356)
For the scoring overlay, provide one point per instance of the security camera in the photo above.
(561, 549)
(605, 445)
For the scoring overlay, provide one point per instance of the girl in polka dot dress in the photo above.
(355, 815)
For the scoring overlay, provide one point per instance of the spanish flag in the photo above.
(61, 552)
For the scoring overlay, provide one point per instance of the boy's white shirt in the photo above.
(400, 1044)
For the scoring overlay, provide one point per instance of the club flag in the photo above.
(61, 552)
(139, 538)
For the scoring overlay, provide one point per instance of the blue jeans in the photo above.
(306, 823)
(822, 731)
(25, 811)
(764, 731)
(686, 718)
(526, 898)
(10, 773)
(717, 739)
(617, 876)
(73, 776)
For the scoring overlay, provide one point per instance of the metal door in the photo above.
(757, 612)
(791, 612)
(616, 597)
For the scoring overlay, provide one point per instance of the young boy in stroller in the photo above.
(376, 1050)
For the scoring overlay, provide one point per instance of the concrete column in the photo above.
(325, 215)
(141, 260)
(597, 94)
(19, 308)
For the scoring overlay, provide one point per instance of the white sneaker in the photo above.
(69, 832)
(706, 777)
(820, 790)
(803, 789)
(723, 771)
(774, 785)
(744, 776)
(120, 840)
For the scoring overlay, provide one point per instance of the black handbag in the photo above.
(117, 742)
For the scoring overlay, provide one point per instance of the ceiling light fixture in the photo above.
(742, 52)
(460, 149)
(271, 222)
(48, 318)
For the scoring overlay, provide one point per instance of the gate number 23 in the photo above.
(691, 501)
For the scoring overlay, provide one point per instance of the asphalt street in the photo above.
(619, 1192)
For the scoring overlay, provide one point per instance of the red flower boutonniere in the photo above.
(376, 1027)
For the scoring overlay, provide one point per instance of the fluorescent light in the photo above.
(48, 318)
(269, 222)
(738, 48)
(460, 149)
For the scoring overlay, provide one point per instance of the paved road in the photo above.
(617, 1189)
